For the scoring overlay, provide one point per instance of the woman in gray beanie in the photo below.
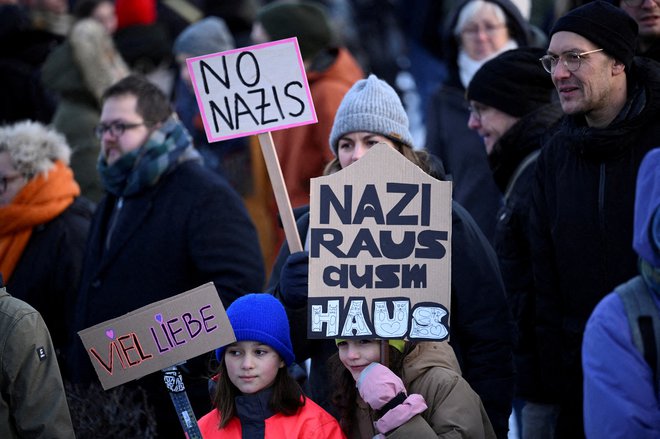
(481, 330)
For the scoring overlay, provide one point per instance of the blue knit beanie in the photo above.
(371, 105)
(260, 317)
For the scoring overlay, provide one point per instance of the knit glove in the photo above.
(294, 279)
(385, 393)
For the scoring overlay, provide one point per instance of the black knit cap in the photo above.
(605, 25)
(514, 82)
(308, 21)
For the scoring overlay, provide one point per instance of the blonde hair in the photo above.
(33, 147)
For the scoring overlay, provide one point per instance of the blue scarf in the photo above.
(142, 168)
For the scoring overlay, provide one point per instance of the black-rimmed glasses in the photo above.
(115, 128)
(571, 60)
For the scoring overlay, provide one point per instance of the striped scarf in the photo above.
(137, 170)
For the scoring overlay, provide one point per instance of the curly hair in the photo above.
(33, 147)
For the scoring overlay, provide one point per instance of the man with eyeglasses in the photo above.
(647, 15)
(582, 210)
(167, 224)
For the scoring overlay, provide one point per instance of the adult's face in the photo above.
(483, 35)
(122, 111)
(352, 146)
(11, 181)
(105, 14)
(647, 16)
(490, 123)
(590, 88)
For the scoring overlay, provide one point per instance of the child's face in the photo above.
(355, 355)
(252, 366)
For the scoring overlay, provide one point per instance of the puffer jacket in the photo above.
(454, 409)
(582, 224)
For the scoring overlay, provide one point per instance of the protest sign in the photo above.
(156, 336)
(380, 251)
(252, 91)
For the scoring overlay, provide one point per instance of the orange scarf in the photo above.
(41, 199)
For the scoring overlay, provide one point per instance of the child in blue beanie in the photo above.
(255, 396)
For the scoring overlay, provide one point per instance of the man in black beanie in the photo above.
(513, 102)
(583, 191)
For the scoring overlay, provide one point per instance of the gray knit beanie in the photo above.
(373, 106)
(209, 35)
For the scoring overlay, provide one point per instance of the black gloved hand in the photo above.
(294, 279)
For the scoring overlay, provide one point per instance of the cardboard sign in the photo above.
(157, 336)
(380, 251)
(252, 90)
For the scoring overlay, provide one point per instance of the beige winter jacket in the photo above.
(454, 409)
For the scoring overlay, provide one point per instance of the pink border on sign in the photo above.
(293, 40)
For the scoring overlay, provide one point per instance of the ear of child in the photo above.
(384, 391)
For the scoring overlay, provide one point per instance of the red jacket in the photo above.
(311, 422)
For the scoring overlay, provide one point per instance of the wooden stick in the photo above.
(385, 353)
(279, 188)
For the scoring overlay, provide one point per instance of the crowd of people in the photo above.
(112, 198)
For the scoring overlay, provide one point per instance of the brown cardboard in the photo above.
(156, 336)
(381, 215)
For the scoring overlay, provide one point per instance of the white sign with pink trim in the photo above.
(252, 90)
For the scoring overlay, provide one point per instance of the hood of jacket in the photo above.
(335, 65)
(611, 142)
(520, 30)
(646, 229)
(427, 355)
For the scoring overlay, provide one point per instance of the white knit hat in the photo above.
(371, 105)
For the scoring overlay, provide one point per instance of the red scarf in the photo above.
(39, 201)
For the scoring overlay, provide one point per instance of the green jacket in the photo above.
(32, 402)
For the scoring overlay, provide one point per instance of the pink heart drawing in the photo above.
(110, 334)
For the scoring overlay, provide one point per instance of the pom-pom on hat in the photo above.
(371, 105)
(605, 25)
(514, 82)
(209, 35)
(305, 20)
(260, 317)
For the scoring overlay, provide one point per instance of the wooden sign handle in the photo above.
(279, 188)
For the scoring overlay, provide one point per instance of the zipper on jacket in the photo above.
(113, 221)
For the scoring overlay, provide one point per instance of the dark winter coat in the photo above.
(48, 273)
(582, 226)
(461, 150)
(188, 229)
(481, 331)
(513, 161)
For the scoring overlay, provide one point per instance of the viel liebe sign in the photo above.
(252, 90)
(157, 336)
(380, 251)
